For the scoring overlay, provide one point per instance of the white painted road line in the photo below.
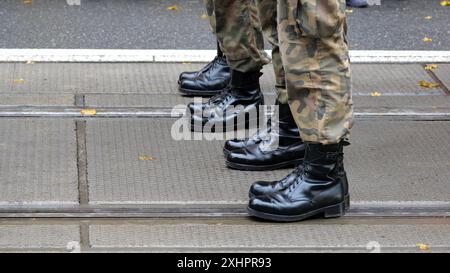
(161, 55)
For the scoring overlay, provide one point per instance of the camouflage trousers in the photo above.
(314, 52)
(239, 26)
(310, 57)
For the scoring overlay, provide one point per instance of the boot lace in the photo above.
(306, 167)
(221, 98)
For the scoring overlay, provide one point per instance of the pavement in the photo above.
(88, 162)
(114, 180)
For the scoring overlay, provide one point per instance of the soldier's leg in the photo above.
(215, 76)
(279, 145)
(315, 58)
(238, 31)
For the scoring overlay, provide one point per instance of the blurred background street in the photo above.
(148, 24)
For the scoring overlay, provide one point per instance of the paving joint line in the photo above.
(438, 81)
(80, 100)
(85, 244)
(83, 187)
(431, 209)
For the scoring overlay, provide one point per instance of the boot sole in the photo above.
(333, 211)
(192, 92)
(270, 167)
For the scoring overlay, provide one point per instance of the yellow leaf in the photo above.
(428, 17)
(30, 62)
(146, 158)
(423, 246)
(375, 94)
(349, 10)
(28, 2)
(88, 112)
(428, 84)
(19, 81)
(172, 8)
(431, 66)
(204, 16)
(427, 40)
(445, 3)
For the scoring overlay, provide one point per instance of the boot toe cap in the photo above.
(234, 144)
(261, 203)
(260, 188)
(187, 76)
(189, 84)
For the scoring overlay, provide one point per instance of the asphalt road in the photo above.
(148, 24)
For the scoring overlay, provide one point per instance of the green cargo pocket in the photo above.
(320, 18)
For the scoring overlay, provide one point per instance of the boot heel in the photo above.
(335, 211)
(347, 203)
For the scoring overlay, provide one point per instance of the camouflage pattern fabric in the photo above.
(238, 29)
(314, 51)
(267, 11)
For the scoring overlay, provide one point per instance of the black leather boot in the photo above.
(244, 93)
(234, 144)
(320, 188)
(266, 188)
(280, 147)
(210, 80)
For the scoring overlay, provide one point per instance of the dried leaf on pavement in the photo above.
(146, 158)
(431, 66)
(18, 81)
(426, 84)
(88, 112)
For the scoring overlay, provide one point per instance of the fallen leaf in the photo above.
(423, 246)
(172, 8)
(19, 81)
(427, 40)
(28, 2)
(428, 84)
(428, 17)
(445, 3)
(431, 66)
(30, 62)
(349, 10)
(375, 94)
(204, 16)
(88, 112)
(146, 158)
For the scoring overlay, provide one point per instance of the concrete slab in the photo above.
(391, 80)
(37, 100)
(362, 103)
(161, 78)
(141, 78)
(176, 237)
(423, 103)
(395, 161)
(38, 163)
(6, 76)
(182, 172)
(45, 237)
